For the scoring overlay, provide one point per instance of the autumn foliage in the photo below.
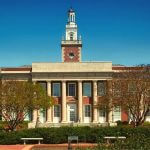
(130, 90)
(18, 98)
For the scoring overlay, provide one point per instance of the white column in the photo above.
(95, 111)
(49, 110)
(80, 102)
(35, 112)
(35, 115)
(110, 116)
(64, 111)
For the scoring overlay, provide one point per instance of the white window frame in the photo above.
(75, 89)
(119, 116)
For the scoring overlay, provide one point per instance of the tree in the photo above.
(17, 98)
(129, 89)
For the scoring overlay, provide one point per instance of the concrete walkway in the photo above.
(15, 147)
(46, 146)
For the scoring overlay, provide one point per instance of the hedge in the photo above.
(85, 134)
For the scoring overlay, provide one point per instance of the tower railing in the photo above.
(71, 42)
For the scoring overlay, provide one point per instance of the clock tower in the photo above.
(71, 45)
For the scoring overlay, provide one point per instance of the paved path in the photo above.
(45, 146)
(63, 146)
(15, 147)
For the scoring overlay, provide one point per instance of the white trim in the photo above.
(16, 72)
(61, 79)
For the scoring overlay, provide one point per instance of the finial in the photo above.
(71, 9)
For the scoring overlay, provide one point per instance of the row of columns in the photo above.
(80, 104)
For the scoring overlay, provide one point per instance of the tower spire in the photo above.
(71, 15)
(71, 27)
(71, 44)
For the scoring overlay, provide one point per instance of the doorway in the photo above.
(72, 113)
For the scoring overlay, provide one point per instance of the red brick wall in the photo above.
(74, 50)
(71, 99)
(87, 100)
(124, 116)
(57, 100)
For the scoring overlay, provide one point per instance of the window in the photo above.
(148, 93)
(87, 89)
(102, 113)
(56, 89)
(28, 116)
(101, 88)
(56, 110)
(148, 114)
(71, 89)
(87, 110)
(44, 85)
(147, 89)
(71, 36)
(71, 55)
(117, 89)
(72, 112)
(132, 87)
(117, 113)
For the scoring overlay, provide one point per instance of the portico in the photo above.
(76, 92)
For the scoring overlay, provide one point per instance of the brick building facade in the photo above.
(75, 85)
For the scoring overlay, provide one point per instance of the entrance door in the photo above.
(72, 113)
(57, 113)
(87, 113)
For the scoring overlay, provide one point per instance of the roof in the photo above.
(121, 68)
(16, 69)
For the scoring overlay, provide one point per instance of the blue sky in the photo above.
(112, 30)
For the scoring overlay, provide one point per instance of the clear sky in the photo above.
(112, 30)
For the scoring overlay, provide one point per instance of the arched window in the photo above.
(71, 36)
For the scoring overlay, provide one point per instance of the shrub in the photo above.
(3, 125)
(85, 134)
(23, 125)
(121, 123)
(146, 123)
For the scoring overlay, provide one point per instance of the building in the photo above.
(75, 85)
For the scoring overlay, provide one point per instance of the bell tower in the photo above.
(71, 45)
